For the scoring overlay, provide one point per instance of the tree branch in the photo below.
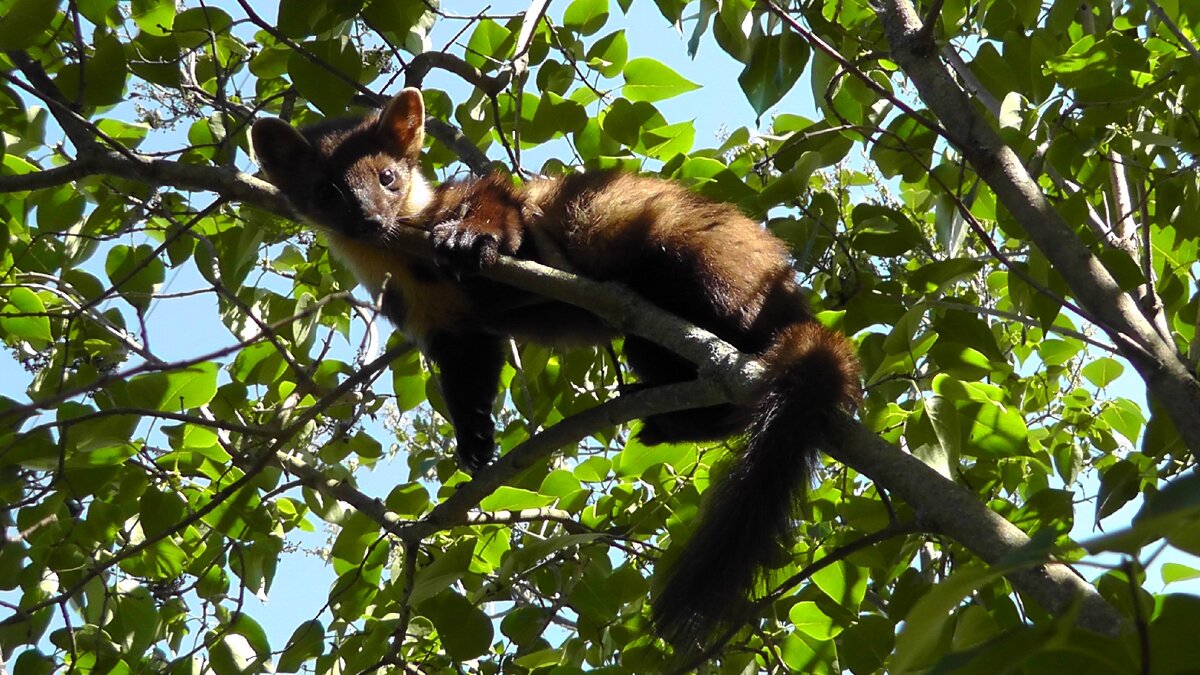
(568, 432)
(1174, 28)
(944, 506)
(38, 180)
(419, 67)
(1165, 373)
(446, 134)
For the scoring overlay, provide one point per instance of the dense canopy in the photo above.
(997, 201)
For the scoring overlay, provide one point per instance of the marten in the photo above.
(360, 179)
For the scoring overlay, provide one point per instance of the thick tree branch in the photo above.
(976, 88)
(1165, 373)
(38, 180)
(944, 506)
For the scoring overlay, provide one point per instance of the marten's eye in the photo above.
(387, 177)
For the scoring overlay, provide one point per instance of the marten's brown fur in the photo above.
(703, 260)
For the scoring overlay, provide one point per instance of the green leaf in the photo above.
(960, 360)
(199, 26)
(1172, 572)
(302, 329)
(1055, 352)
(329, 93)
(138, 272)
(586, 16)
(21, 300)
(1102, 68)
(490, 45)
(776, 62)
(184, 389)
(1011, 115)
(396, 17)
(104, 74)
(99, 12)
(625, 120)
(649, 80)
(930, 616)
(792, 183)
(1103, 371)
(507, 498)
(844, 583)
(1118, 485)
(164, 560)
(978, 424)
(154, 16)
(1126, 417)
(812, 621)
(884, 231)
(593, 469)
(106, 456)
(24, 22)
(937, 275)
(607, 55)
(231, 655)
(560, 483)
(465, 631)
(33, 662)
(88, 638)
(805, 136)
(161, 511)
(250, 629)
(636, 458)
(555, 77)
(1173, 635)
(865, 644)
(523, 625)
(437, 576)
(106, 71)
(1172, 510)
(307, 641)
(804, 657)
(1180, 497)
(667, 141)
(97, 433)
(905, 151)
(130, 134)
(59, 209)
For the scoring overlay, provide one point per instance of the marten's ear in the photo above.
(402, 124)
(279, 148)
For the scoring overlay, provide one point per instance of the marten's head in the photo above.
(355, 177)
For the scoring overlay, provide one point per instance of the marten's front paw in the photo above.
(462, 250)
(474, 453)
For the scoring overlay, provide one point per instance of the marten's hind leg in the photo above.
(656, 366)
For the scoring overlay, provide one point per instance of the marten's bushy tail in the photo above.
(749, 512)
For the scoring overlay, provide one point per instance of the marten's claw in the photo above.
(463, 251)
(472, 457)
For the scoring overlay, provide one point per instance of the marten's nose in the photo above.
(375, 221)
